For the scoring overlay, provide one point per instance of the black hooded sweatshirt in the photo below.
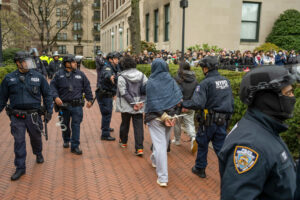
(187, 83)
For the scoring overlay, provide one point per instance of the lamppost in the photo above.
(1, 55)
(112, 41)
(183, 4)
(121, 38)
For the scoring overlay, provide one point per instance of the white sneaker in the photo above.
(161, 184)
(176, 142)
(194, 145)
(153, 165)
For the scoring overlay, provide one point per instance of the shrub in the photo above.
(267, 47)
(6, 70)
(149, 46)
(9, 54)
(290, 137)
(205, 47)
(286, 31)
(90, 64)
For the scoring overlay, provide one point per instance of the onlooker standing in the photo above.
(292, 58)
(280, 58)
(187, 82)
(130, 102)
(162, 97)
(248, 59)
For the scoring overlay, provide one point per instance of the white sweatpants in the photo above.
(189, 124)
(160, 135)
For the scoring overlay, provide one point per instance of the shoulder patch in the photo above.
(78, 77)
(244, 159)
(198, 88)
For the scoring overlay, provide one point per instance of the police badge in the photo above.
(244, 159)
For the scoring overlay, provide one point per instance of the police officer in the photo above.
(45, 60)
(39, 64)
(55, 65)
(24, 89)
(107, 88)
(67, 87)
(213, 96)
(255, 163)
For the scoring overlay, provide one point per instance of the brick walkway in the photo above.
(104, 171)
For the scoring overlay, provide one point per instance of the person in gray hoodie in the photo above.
(130, 103)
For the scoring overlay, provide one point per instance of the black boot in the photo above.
(66, 145)
(169, 146)
(109, 138)
(77, 151)
(39, 158)
(17, 174)
(199, 172)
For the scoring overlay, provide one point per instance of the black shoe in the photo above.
(109, 138)
(66, 145)
(199, 172)
(111, 130)
(39, 158)
(17, 174)
(77, 151)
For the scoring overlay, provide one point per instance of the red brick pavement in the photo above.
(104, 171)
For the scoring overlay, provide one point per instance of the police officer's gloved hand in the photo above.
(48, 117)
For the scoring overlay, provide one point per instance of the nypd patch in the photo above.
(198, 88)
(244, 159)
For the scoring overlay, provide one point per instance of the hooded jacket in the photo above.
(129, 91)
(187, 83)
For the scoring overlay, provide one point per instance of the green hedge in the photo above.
(5, 70)
(290, 137)
(90, 64)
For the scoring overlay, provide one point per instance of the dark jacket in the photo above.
(249, 61)
(54, 66)
(70, 86)
(25, 95)
(280, 60)
(105, 75)
(187, 83)
(255, 163)
(292, 59)
(213, 93)
(40, 66)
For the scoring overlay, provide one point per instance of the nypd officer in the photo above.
(213, 97)
(54, 65)
(25, 88)
(255, 163)
(67, 87)
(107, 88)
(39, 64)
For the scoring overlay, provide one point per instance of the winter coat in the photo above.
(187, 84)
(130, 82)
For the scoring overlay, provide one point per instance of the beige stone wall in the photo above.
(121, 38)
(216, 22)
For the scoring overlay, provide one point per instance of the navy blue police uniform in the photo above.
(54, 66)
(213, 97)
(69, 87)
(106, 91)
(24, 92)
(255, 163)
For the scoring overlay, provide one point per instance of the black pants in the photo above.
(137, 120)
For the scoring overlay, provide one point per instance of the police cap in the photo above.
(68, 58)
(211, 62)
(21, 56)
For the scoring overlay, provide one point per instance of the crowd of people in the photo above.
(225, 57)
(254, 162)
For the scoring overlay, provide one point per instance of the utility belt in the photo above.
(66, 104)
(22, 114)
(208, 117)
(103, 93)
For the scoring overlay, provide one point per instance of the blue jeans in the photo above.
(34, 126)
(106, 107)
(214, 133)
(76, 114)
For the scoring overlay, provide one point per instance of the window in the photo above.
(58, 24)
(97, 38)
(147, 27)
(77, 12)
(61, 36)
(64, 24)
(64, 12)
(156, 25)
(97, 26)
(96, 49)
(57, 11)
(250, 22)
(76, 36)
(62, 49)
(77, 26)
(167, 21)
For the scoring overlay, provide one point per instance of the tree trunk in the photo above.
(134, 26)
